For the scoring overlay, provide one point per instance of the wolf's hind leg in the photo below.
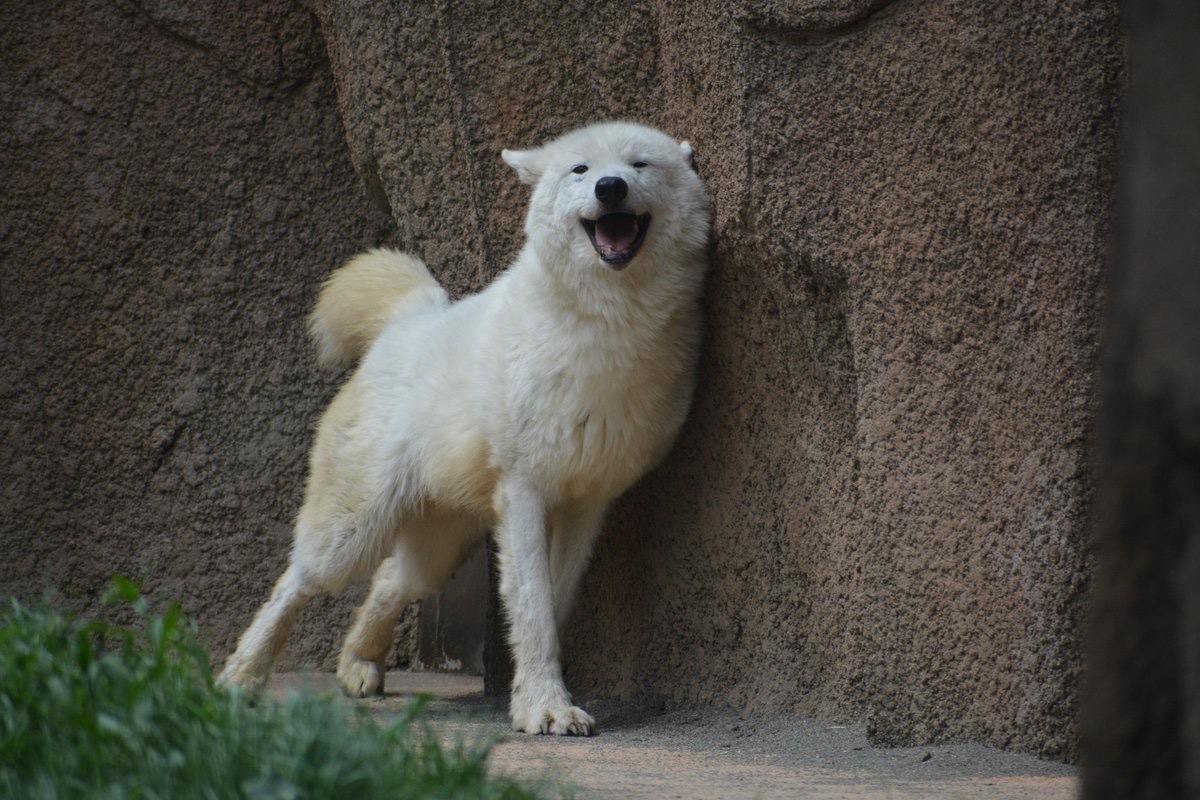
(360, 665)
(422, 560)
(250, 664)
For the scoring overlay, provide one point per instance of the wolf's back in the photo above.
(358, 301)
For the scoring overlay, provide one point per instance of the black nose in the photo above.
(611, 191)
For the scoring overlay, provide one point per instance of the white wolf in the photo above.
(524, 409)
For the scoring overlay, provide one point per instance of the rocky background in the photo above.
(880, 506)
(176, 185)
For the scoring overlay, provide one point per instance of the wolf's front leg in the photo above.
(540, 702)
(573, 532)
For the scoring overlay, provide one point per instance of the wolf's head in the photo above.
(611, 196)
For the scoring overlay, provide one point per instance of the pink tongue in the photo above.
(616, 232)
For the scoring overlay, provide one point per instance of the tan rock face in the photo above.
(175, 187)
(879, 505)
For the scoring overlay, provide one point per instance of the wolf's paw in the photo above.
(560, 721)
(360, 678)
(242, 675)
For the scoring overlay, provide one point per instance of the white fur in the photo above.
(525, 409)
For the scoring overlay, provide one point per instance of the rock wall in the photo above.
(175, 187)
(879, 506)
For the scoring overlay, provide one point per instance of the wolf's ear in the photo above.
(526, 163)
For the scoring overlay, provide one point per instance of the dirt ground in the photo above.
(712, 754)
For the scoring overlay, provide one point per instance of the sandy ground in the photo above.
(712, 754)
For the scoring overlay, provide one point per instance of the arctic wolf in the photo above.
(524, 409)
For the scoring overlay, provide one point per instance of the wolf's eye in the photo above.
(579, 169)
(640, 165)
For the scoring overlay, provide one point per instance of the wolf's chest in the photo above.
(593, 434)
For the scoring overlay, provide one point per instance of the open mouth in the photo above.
(616, 237)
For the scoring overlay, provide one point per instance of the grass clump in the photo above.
(89, 710)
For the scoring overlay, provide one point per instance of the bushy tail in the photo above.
(359, 299)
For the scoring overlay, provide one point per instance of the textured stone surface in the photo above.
(881, 502)
(879, 506)
(1141, 732)
(175, 187)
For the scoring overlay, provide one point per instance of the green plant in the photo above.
(90, 710)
